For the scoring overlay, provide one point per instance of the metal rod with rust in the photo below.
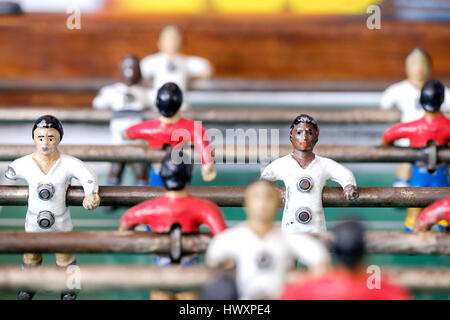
(145, 277)
(234, 154)
(385, 242)
(234, 196)
(216, 115)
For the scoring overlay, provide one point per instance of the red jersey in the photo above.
(162, 213)
(440, 210)
(158, 133)
(420, 132)
(339, 285)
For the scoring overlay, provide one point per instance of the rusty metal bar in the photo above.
(101, 277)
(227, 154)
(216, 115)
(215, 84)
(384, 242)
(233, 196)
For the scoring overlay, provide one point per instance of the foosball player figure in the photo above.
(261, 251)
(170, 65)
(404, 96)
(127, 99)
(434, 214)
(349, 280)
(176, 212)
(172, 130)
(49, 174)
(305, 175)
(430, 133)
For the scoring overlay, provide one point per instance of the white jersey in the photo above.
(318, 172)
(406, 98)
(128, 104)
(262, 262)
(60, 176)
(178, 69)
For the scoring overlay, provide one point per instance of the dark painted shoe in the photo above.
(68, 296)
(26, 295)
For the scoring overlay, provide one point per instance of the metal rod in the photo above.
(385, 242)
(215, 84)
(230, 154)
(101, 277)
(216, 115)
(233, 196)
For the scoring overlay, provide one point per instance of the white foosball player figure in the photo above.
(49, 174)
(128, 100)
(305, 175)
(263, 254)
(169, 65)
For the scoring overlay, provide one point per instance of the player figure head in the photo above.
(130, 70)
(47, 133)
(418, 67)
(304, 133)
(175, 176)
(349, 243)
(262, 201)
(169, 99)
(432, 95)
(170, 40)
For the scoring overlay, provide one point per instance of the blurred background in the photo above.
(265, 53)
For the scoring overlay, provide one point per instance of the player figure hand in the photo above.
(351, 192)
(91, 201)
(208, 171)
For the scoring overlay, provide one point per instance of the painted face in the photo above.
(46, 140)
(304, 137)
(418, 67)
(262, 202)
(170, 41)
(129, 69)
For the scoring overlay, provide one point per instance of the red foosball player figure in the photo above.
(430, 132)
(433, 214)
(349, 280)
(170, 129)
(177, 211)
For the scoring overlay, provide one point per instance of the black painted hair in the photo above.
(48, 121)
(169, 99)
(432, 95)
(305, 119)
(349, 242)
(176, 176)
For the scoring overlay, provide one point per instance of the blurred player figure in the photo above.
(349, 280)
(170, 65)
(404, 96)
(263, 253)
(127, 99)
(433, 214)
(432, 130)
